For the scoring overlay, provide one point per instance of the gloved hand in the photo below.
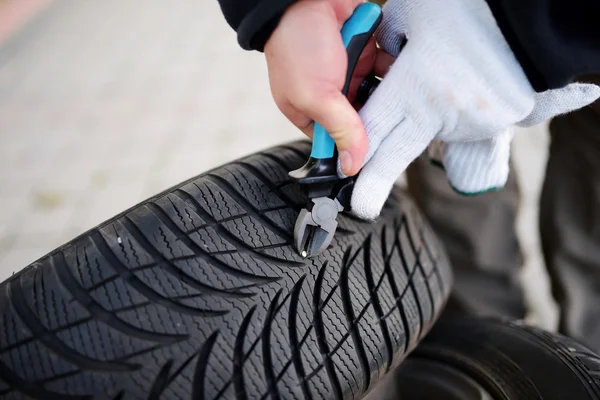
(456, 87)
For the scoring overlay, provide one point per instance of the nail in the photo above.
(345, 162)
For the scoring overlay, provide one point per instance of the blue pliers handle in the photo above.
(327, 194)
(355, 35)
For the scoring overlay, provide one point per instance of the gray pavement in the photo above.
(103, 104)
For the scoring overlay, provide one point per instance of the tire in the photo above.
(470, 358)
(198, 293)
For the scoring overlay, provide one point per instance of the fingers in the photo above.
(478, 166)
(372, 188)
(554, 102)
(333, 111)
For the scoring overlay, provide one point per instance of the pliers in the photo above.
(328, 195)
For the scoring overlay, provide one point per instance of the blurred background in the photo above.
(105, 103)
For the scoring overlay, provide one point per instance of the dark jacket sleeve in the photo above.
(254, 20)
(555, 41)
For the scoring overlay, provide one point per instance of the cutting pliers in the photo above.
(327, 194)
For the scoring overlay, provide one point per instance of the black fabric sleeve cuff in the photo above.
(257, 26)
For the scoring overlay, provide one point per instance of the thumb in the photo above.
(554, 102)
(338, 117)
(480, 166)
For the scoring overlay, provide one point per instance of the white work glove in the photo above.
(456, 86)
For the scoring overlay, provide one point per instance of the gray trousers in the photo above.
(480, 236)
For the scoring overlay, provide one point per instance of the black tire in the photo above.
(471, 358)
(197, 293)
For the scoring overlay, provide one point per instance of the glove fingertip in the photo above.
(582, 93)
(366, 211)
(592, 92)
(368, 199)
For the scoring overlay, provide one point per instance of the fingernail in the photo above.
(345, 162)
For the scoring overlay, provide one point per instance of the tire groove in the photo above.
(401, 295)
(267, 358)
(161, 381)
(267, 182)
(321, 337)
(293, 335)
(70, 326)
(183, 365)
(237, 376)
(407, 271)
(88, 319)
(32, 389)
(374, 299)
(200, 370)
(271, 246)
(52, 342)
(241, 246)
(190, 244)
(175, 271)
(120, 395)
(79, 294)
(235, 291)
(290, 361)
(249, 207)
(141, 287)
(352, 324)
(279, 161)
(253, 346)
(232, 218)
(178, 212)
(347, 334)
(394, 286)
(279, 186)
(427, 285)
(418, 264)
(75, 372)
(301, 154)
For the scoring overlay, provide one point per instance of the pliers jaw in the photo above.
(316, 225)
(317, 222)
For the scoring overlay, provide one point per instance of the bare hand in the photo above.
(307, 65)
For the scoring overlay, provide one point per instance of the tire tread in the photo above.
(198, 293)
